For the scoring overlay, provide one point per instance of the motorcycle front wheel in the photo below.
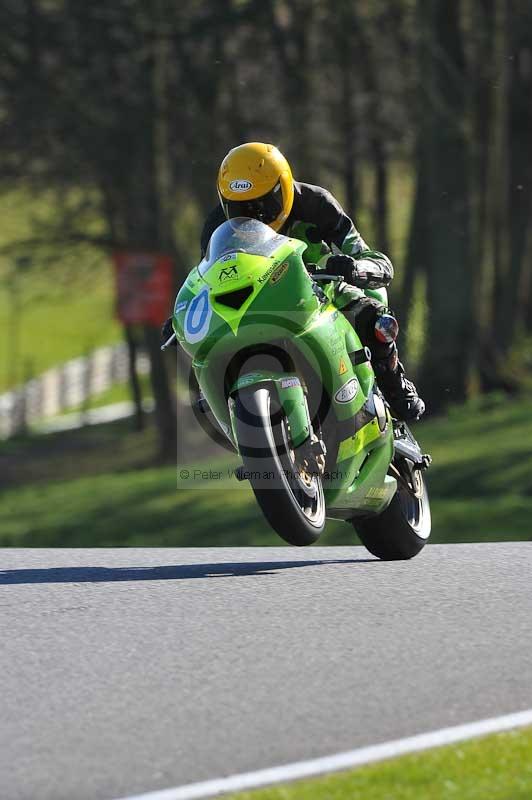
(288, 491)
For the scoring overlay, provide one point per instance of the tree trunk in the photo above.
(291, 27)
(165, 412)
(520, 53)
(499, 172)
(348, 134)
(380, 166)
(344, 30)
(444, 160)
(417, 252)
(369, 66)
(134, 378)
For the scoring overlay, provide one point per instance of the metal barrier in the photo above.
(64, 387)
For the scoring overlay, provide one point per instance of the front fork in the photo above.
(308, 447)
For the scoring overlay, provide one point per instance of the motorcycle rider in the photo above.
(255, 180)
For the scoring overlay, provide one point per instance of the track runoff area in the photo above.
(340, 761)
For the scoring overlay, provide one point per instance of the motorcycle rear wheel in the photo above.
(290, 497)
(402, 530)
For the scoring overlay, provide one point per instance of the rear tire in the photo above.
(402, 530)
(291, 500)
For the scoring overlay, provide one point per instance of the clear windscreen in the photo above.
(240, 235)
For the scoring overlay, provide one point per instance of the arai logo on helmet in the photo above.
(240, 185)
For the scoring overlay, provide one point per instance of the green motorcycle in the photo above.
(293, 390)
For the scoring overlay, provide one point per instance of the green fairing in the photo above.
(282, 308)
(292, 400)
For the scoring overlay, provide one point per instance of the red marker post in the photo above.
(144, 287)
(144, 292)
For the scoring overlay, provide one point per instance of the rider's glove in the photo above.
(349, 268)
(166, 331)
(340, 264)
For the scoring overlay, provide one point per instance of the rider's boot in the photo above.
(378, 330)
(400, 393)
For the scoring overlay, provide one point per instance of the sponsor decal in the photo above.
(342, 367)
(198, 317)
(347, 392)
(180, 306)
(375, 496)
(278, 273)
(379, 493)
(263, 278)
(336, 342)
(287, 383)
(228, 273)
(240, 185)
(227, 257)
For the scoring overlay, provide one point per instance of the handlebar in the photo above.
(168, 342)
(324, 276)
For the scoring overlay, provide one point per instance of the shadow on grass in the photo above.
(177, 572)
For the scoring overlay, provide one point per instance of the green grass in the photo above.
(135, 509)
(498, 767)
(102, 486)
(118, 496)
(60, 306)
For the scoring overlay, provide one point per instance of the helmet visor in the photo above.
(266, 208)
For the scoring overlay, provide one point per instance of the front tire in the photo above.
(402, 530)
(290, 498)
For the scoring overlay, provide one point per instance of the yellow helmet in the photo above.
(255, 180)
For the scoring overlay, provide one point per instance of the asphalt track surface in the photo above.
(126, 671)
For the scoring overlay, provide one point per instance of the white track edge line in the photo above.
(339, 761)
